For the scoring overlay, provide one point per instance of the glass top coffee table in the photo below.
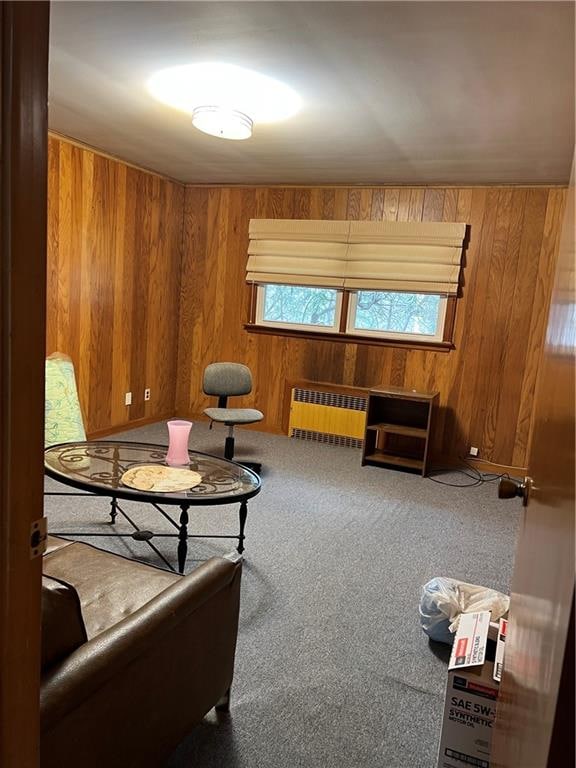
(97, 467)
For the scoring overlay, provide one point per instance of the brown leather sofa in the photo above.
(132, 656)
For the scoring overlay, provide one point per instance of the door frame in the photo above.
(23, 163)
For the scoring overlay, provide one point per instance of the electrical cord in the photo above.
(478, 478)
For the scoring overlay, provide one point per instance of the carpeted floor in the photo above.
(332, 667)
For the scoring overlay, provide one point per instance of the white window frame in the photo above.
(382, 334)
(260, 302)
(350, 330)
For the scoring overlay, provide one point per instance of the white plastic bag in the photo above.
(443, 601)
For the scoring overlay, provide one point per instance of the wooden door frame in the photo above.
(23, 140)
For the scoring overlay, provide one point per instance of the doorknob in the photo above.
(509, 489)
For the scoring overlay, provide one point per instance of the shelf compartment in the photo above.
(404, 413)
(390, 458)
(399, 429)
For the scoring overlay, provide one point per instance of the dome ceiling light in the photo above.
(223, 99)
(222, 122)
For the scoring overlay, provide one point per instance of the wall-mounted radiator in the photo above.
(328, 415)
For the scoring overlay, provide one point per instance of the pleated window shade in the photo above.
(421, 257)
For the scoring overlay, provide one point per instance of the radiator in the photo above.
(327, 416)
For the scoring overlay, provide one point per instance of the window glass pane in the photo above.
(414, 313)
(297, 304)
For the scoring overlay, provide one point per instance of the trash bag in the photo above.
(443, 600)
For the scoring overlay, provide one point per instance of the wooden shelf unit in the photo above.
(398, 428)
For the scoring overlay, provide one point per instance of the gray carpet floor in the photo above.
(332, 667)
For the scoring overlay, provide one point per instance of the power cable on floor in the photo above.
(478, 478)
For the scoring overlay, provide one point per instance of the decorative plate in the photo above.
(160, 479)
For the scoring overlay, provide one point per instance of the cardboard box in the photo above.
(471, 695)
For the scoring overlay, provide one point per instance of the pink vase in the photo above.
(178, 433)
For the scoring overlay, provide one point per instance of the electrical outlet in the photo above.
(146, 394)
(128, 398)
(473, 451)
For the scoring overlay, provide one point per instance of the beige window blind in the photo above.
(377, 255)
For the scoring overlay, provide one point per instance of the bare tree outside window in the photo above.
(414, 313)
(299, 305)
(385, 314)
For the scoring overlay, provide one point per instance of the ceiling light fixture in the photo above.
(223, 99)
(222, 122)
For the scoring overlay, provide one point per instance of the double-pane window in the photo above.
(385, 314)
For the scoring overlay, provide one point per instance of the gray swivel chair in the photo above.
(226, 380)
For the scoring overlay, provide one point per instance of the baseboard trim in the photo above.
(440, 462)
(480, 464)
(98, 433)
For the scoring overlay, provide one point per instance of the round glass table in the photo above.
(97, 467)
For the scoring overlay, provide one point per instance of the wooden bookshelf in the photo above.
(398, 428)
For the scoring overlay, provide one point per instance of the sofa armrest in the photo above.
(178, 618)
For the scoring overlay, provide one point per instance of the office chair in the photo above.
(226, 380)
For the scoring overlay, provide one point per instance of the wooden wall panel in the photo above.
(114, 259)
(486, 383)
(146, 286)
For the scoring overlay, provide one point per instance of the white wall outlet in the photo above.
(473, 451)
(146, 394)
(128, 398)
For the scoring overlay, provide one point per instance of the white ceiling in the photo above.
(409, 92)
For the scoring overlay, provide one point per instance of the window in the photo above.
(372, 282)
(298, 306)
(396, 315)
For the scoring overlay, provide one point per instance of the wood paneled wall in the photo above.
(114, 252)
(146, 287)
(486, 383)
